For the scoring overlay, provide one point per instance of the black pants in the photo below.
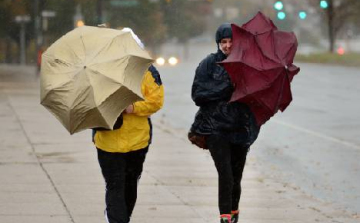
(229, 160)
(121, 172)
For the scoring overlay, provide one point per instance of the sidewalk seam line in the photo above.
(38, 160)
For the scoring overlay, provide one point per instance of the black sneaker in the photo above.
(234, 218)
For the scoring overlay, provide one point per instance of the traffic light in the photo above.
(324, 4)
(278, 5)
(302, 15)
(281, 15)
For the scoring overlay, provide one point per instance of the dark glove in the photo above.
(198, 140)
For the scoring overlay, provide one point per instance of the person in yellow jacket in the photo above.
(121, 152)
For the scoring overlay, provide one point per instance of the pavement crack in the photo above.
(163, 185)
(39, 162)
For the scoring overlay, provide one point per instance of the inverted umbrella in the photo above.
(90, 75)
(261, 66)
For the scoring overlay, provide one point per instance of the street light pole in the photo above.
(36, 28)
(45, 16)
(22, 20)
(22, 44)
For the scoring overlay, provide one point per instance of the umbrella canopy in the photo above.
(90, 75)
(261, 66)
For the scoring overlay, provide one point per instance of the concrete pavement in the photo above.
(49, 176)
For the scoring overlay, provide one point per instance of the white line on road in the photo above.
(317, 134)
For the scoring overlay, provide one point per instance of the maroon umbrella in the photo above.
(261, 66)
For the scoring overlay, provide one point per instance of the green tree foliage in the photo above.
(144, 17)
(89, 11)
(5, 17)
(338, 15)
(58, 25)
(9, 9)
(153, 21)
(10, 29)
(185, 19)
(62, 22)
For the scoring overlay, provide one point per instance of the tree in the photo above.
(9, 29)
(185, 20)
(144, 17)
(90, 10)
(5, 17)
(152, 20)
(61, 23)
(337, 14)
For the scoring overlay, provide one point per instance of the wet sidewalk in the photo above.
(49, 176)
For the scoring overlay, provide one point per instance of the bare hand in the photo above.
(129, 109)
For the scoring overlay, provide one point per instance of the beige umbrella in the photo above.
(90, 75)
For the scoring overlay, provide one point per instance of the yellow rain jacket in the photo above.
(135, 132)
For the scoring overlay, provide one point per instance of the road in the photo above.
(49, 175)
(314, 144)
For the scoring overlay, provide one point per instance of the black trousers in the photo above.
(229, 160)
(121, 172)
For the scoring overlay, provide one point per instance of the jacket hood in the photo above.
(137, 39)
(224, 31)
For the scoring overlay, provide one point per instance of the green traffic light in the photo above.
(324, 4)
(281, 15)
(278, 5)
(302, 15)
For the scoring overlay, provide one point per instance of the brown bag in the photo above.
(198, 140)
